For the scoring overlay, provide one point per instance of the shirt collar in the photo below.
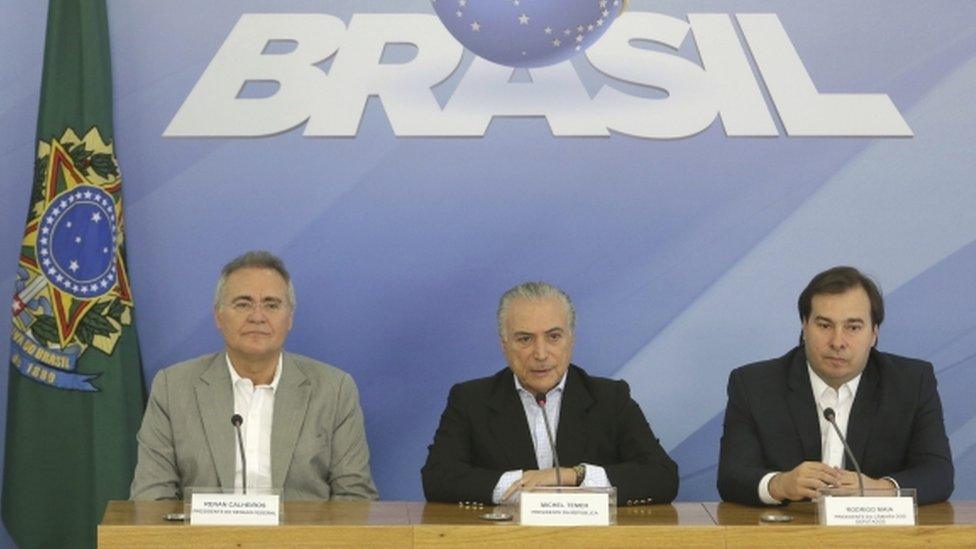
(559, 386)
(819, 385)
(235, 377)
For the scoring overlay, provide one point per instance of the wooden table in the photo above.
(939, 525)
(417, 524)
(305, 524)
(684, 524)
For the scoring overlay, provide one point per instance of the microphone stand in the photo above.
(540, 399)
(236, 420)
(829, 415)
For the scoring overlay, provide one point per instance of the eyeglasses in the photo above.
(245, 307)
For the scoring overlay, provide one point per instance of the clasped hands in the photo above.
(541, 477)
(807, 479)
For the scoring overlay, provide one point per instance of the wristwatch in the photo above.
(580, 471)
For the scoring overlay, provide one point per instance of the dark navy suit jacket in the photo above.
(895, 430)
(484, 432)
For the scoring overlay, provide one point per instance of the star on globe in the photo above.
(527, 33)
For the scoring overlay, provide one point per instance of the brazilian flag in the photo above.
(76, 391)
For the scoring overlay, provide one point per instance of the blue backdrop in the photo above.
(684, 255)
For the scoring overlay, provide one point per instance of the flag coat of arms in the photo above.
(76, 391)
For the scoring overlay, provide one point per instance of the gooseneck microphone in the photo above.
(236, 420)
(829, 415)
(540, 399)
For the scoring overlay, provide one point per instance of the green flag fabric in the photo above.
(76, 391)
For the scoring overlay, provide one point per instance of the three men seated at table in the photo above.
(492, 438)
(302, 423)
(777, 445)
(304, 427)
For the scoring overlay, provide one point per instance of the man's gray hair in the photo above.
(255, 259)
(536, 291)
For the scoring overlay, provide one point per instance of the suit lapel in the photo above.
(215, 401)
(803, 408)
(571, 433)
(508, 424)
(290, 403)
(863, 411)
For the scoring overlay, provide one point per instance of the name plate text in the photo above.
(868, 511)
(235, 509)
(564, 509)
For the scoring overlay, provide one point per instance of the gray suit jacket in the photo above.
(318, 442)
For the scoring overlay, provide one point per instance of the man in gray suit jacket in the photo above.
(301, 420)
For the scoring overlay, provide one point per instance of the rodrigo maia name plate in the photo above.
(564, 508)
(868, 511)
(235, 509)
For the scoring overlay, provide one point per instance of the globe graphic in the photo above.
(527, 33)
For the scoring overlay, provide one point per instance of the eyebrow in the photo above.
(851, 320)
(557, 329)
(249, 298)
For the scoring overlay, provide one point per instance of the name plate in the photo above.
(235, 509)
(867, 511)
(566, 507)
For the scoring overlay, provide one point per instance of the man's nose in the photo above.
(540, 351)
(837, 338)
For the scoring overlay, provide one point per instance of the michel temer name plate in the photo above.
(567, 507)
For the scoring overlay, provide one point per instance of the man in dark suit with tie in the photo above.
(492, 440)
(776, 444)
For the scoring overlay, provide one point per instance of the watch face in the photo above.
(580, 474)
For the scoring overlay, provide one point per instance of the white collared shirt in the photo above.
(596, 476)
(537, 424)
(841, 400)
(831, 447)
(256, 405)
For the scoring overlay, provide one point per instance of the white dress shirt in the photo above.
(595, 476)
(256, 405)
(831, 447)
(841, 399)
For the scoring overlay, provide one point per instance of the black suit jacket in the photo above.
(484, 432)
(895, 430)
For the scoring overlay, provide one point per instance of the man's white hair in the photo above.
(257, 259)
(536, 291)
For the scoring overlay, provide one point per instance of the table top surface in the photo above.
(805, 513)
(405, 513)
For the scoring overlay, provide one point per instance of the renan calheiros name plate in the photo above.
(217, 508)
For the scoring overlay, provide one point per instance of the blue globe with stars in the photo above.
(77, 242)
(527, 33)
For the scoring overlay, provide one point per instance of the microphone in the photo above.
(236, 420)
(829, 415)
(540, 399)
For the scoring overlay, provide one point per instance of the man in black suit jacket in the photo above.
(775, 438)
(491, 441)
